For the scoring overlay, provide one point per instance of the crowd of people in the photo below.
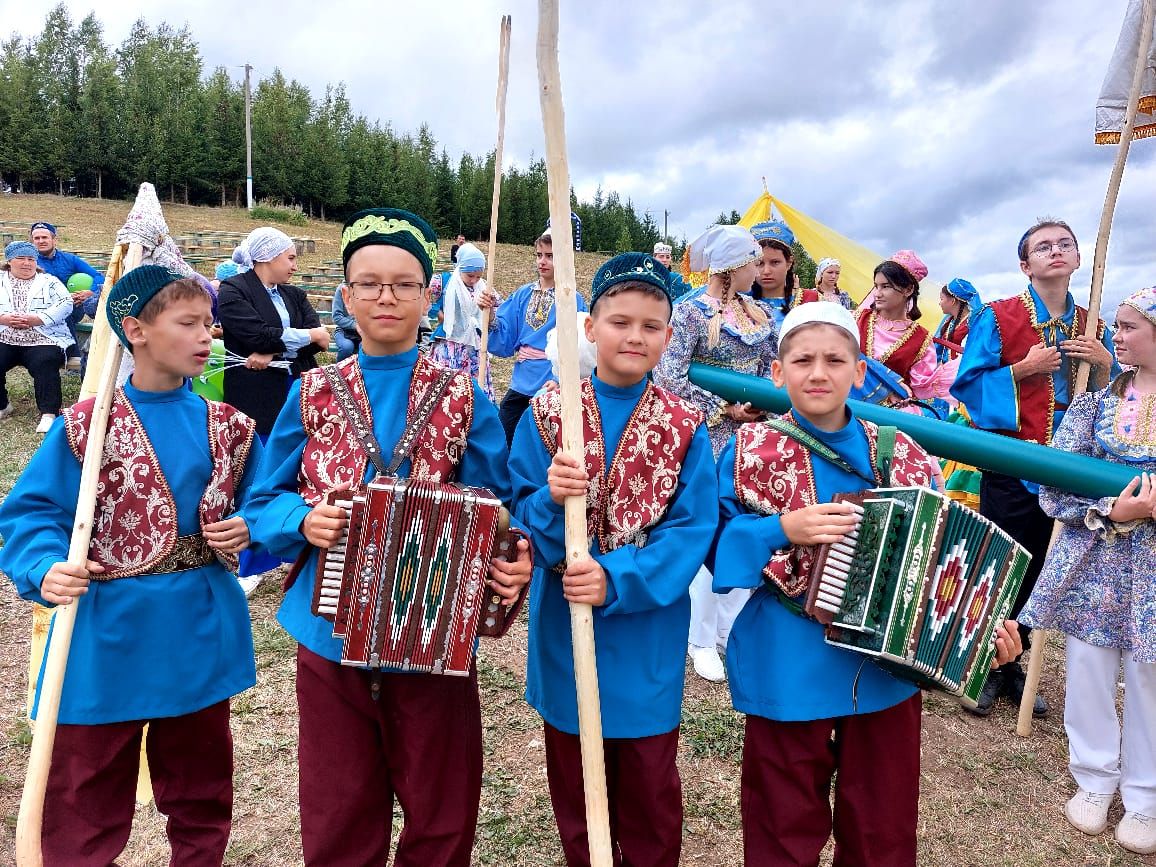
(702, 532)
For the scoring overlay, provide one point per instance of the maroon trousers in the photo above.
(643, 789)
(786, 789)
(91, 794)
(421, 741)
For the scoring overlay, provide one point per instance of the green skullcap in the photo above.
(132, 292)
(392, 227)
(630, 267)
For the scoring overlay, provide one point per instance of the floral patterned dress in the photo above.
(1099, 581)
(743, 346)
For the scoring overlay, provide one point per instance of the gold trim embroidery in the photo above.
(376, 224)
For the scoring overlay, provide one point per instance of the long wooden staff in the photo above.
(577, 542)
(1099, 264)
(491, 253)
(30, 821)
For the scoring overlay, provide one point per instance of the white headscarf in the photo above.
(723, 248)
(461, 316)
(262, 245)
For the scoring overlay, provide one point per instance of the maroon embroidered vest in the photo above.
(624, 502)
(774, 475)
(1035, 396)
(902, 355)
(135, 526)
(333, 453)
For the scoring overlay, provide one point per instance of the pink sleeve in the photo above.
(926, 379)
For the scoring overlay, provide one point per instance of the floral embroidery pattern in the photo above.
(626, 500)
(334, 455)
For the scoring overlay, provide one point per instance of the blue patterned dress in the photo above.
(743, 346)
(1097, 583)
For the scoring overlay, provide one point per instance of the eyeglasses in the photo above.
(1045, 249)
(372, 291)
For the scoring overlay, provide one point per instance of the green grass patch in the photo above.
(271, 212)
(710, 731)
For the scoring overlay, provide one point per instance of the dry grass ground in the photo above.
(988, 797)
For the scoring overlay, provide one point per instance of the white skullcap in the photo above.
(662, 248)
(262, 245)
(723, 248)
(825, 312)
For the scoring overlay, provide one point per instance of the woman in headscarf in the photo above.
(458, 335)
(722, 325)
(34, 310)
(827, 284)
(263, 319)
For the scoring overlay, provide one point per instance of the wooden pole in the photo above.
(1099, 264)
(492, 252)
(577, 543)
(30, 821)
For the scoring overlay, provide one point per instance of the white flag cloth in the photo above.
(1113, 101)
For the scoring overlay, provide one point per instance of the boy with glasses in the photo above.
(365, 736)
(1016, 376)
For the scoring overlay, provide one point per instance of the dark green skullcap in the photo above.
(630, 268)
(392, 227)
(132, 292)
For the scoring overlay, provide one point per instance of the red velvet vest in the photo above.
(774, 475)
(1035, 396)
(135, 525)
(904, 353)
(333, 453)
(622, 504)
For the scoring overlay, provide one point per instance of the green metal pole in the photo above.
(1080, 474)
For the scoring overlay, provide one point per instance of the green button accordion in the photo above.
(920, 586)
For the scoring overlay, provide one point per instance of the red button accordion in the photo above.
(405, 586)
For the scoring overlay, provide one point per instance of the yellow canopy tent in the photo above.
(856, 262)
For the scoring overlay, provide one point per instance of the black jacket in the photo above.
(251, 324)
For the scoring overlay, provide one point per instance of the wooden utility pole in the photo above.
(248, 140)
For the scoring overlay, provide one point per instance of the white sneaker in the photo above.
(45, 425)
(1088, 811)
(6, 411)
(707, 664)
(249, 583)
(1137, 833)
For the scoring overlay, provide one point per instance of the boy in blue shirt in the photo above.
(648, 478)
(813, 709)
(519, 328)
(365, 736)
(163, 638)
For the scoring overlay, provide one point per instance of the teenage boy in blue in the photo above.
(364, 736)
(162, 637)
(519, 328)
(814, 709)
(1017, 376)
(651, 514)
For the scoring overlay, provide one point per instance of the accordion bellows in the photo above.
(405, 586)
(920, 586)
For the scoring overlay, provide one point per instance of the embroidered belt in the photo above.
(189, 552)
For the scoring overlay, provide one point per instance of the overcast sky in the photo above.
(942, 127)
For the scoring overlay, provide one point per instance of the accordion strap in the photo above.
(363, 428)
(884, 451)
(364, 431)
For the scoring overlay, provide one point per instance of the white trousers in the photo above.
(1099, 758)
(712, 614)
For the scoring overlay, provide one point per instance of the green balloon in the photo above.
(211, 384)
(79, 282)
